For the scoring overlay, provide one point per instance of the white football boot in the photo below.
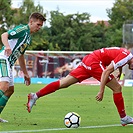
(3, 121)
(126, 120)
(32, 97)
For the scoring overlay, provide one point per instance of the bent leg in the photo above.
(78, 74)
(50, 88)
(114, 86)
(117, 96)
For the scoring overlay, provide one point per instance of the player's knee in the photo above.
(67, 81)
(118, 89)
(9, 91)
(64, 85)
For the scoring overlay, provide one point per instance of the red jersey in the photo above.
(118, 56)
(93, 64)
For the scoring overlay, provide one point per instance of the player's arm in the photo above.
(104, 79)
(21, 60)
(4, 39)
(119, 74)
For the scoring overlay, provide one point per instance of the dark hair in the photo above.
(37, 15)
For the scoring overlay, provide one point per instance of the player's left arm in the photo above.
(104, 79)
(119, 73)
(22, 64)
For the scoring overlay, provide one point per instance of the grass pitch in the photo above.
(48, 114)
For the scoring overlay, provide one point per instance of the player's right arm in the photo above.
(4, 39)
(119, 73)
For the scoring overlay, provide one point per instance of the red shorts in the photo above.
(94, 68)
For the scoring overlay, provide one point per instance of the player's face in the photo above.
(35, 25)
(131, 64)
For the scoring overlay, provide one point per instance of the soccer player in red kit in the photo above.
(99, 65)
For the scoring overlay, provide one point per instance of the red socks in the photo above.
(52, 87)
(119, 102)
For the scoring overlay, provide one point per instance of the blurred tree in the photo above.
(6, 16)
(67, 30)
(76, 32)
(70, 32)
(25, 11)
(118, 14)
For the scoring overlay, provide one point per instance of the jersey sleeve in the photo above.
(121, 59)
(16, 32)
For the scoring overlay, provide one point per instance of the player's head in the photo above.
(131, 64)
(37, 16)
(36, 21)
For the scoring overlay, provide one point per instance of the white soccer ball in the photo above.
(72, 120)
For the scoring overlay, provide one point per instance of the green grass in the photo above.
(51, 109)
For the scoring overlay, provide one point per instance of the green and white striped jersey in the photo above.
(19, 39)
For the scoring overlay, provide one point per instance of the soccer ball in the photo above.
(72, 120)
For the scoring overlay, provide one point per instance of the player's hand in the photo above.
(8, 51)
(99, 96)
(27, 79)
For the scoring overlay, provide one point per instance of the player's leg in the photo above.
(4, 99)
(119, 101)
(75, 76)
(117, 93)
(50, 88)
(5, 81)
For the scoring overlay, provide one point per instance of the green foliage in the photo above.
(25, 11)
(72, 32)
(67, 30)
(121, 12)
(75, 32)
(6, 16)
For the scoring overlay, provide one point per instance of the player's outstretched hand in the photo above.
(27, 79)
(99, 96)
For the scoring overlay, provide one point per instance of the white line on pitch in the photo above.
(59, 129)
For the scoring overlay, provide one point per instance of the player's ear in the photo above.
(31, 21)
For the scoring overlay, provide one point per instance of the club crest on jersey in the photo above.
(13, 33)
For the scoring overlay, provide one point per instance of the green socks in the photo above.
(3, 101)
(1, 93)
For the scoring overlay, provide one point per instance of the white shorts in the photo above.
(5, 71)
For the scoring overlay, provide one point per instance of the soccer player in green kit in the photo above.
(15, 43)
